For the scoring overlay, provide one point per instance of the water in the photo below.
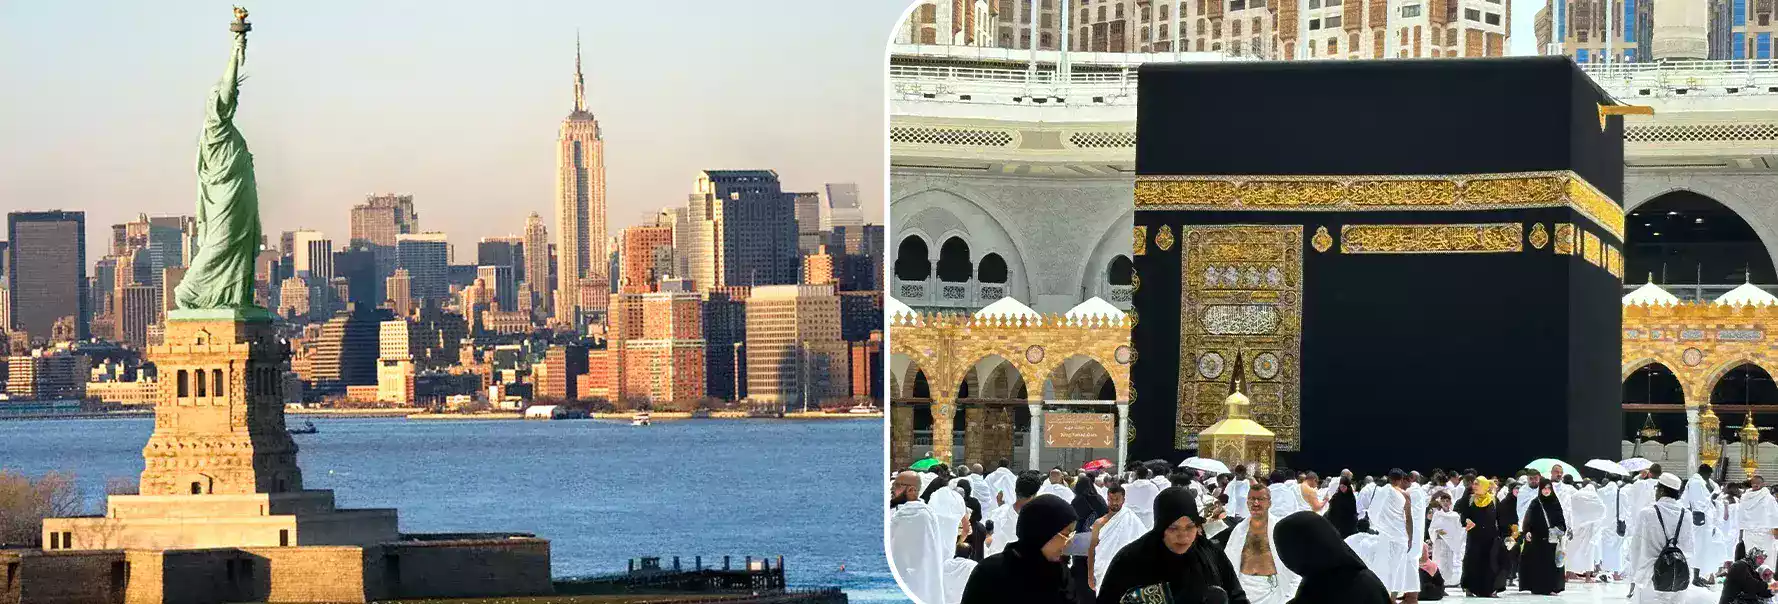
(601, 492)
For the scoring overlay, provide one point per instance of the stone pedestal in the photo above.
(901, 436)
(220, 468)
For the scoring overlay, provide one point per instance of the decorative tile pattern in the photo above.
(1242, 293)
(1431, 238)
(1164, 238)
(1564, 238)
(1382, 193)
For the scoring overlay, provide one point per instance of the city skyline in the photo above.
(344, 112)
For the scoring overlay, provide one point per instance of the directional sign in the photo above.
(1082, 430)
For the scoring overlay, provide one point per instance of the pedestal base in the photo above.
(212, 521)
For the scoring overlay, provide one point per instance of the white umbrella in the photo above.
(1205, 464)
(1608, 466)
(1635, 464)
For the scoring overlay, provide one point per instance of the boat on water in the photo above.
(640, 419)
(863, 409)
(307, 428)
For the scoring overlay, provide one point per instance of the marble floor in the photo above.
(1576, 593)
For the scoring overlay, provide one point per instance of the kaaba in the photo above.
(1418, 262)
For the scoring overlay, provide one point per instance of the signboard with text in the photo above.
(1071, 430)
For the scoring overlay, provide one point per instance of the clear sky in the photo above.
(456, 103)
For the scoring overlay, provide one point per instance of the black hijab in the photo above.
(1342, 508)
(1147, 560)
(1088, 505)
(1331, 572)
(1540, 524)
(1021, 574)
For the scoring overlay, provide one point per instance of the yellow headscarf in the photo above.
(1487, 497)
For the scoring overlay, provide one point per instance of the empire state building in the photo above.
(582, 280)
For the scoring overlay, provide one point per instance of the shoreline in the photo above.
(514, 415)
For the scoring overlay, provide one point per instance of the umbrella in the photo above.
(1205, 464)
(1608, 466)
(1543, 466)
(1636, 464)
(1096, 465)
(924, 464)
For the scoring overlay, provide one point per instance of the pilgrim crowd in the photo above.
(1155, 533)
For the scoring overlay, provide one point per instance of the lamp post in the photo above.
(1749, 446)
(1709, 439)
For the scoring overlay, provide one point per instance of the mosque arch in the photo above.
(939, 212)
(1715, 378)
(1650, 381)
(998, 379)
(1687, 236)
(1078, 377)
(1745, 384)
(1121, 271)
(911, 260)
(992, 269)
(954, 263)
(1094, 270)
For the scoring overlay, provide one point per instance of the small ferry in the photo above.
(307, 428)
(640, 419)
(863, 409)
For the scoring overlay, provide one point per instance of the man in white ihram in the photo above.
(1699, 498)
(1759, 519)
(1398, 563)
(1655, 526)
(917, 546)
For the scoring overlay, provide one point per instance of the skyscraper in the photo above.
(47, 270)
(313, 252)
(536, 274)
(808, 221)
(754, 227)
(426, 258)
(138, 307)
(580, 201)
(358, 266)
(506, 251)
(502, 287)
(638, 257)
(842, 207)
(400, 288)
(794, 350)
(376, 223)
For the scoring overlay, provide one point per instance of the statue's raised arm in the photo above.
(222, 106)
(221, 274)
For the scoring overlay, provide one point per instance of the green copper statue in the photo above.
(221, 275)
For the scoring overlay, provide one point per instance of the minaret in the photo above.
(1680, 28)
(580, 208)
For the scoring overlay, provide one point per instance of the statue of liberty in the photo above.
(228, 233)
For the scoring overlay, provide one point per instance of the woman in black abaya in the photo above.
(1484, 547)
(1331, 573)
(1174, 557)
(1032, 569)
(1088, 507)
(1539, 572)
(1342, 509)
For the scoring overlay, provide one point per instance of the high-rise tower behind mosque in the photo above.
(580, 208)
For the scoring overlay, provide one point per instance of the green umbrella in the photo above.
(924, 464)
(1543, 467)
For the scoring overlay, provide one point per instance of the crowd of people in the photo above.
(1155, 533)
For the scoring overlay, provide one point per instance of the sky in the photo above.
(456, 103)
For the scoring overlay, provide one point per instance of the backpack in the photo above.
(1672, 574)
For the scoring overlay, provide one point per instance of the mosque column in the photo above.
(901, 435)
(1693, 438)
(1122, 434)
(1034, 440)
(944, 407)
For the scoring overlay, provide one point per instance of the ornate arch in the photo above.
(1710, 380)
(1092, 268)
(963, 201)
(1738, 197)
